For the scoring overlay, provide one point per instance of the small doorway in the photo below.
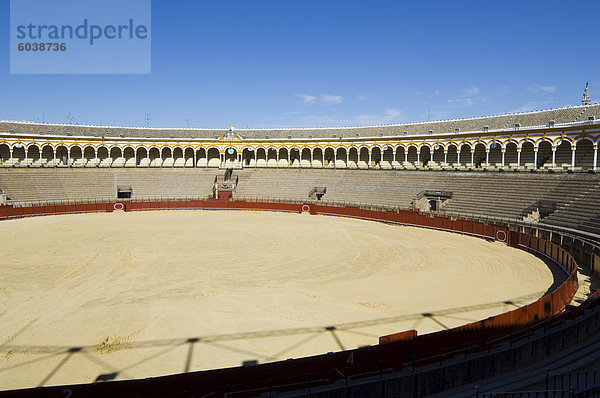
(124, 192)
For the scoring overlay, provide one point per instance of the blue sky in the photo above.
(292, 63)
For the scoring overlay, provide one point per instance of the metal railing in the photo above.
(588, 237)
(59, 202)
(570, 385)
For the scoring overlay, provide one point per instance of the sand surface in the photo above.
(132, 295)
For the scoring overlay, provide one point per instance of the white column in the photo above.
(347, 157)
(553, 158)
(194, 158)
(487, 158)
(573, 158)
(322, 159)
(445, 158)
(334, 159)
(518, 158)
(418, 159)
(255, 158)
(595, 157)
(503, 156)
(405, 156)
(472, 157)
(535, 157)
(369, 163)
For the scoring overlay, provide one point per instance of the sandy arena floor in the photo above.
(126, 295)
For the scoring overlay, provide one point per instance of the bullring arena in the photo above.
(404, 260)
(223, 277)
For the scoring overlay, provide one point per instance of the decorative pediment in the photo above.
(230, 135)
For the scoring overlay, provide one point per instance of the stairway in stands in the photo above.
(225, 185)
(581, 212)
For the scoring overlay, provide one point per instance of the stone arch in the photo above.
(230, 157)
(214, 157)
(510, 155)
(47, 155)
(272, 157)
(438, 155)
(116, 154)
(4, 154)
(317, 157)
(387, 157)
(329, 157)
(563, 155)
(399, 157)
(188, 157)
(142, 158)
(465, 155)
(76, 156)
(305, 157)
(363, 158)
(62, 155)
(18, 154)
(283, 157)
(424, 155)
(33, 155)
(375, 157)
(155, 159)
(584, 155)
(412, 157)
(129, 157)
(495, 155)
(89, 156)
(176, 158)
(528, 155)
(452, 158)
(248, 157)
(261, 157)
(544, 154)
(480, 155)
(166, 156)
(340, 157)
(201, 158)
(294, 157)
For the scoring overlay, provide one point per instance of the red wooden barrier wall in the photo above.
(407, 347)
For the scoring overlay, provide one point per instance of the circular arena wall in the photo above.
(247, 286)
(490, 328)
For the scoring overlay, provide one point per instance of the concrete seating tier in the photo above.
(493, 194)
(505, 194)
(24, 185)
